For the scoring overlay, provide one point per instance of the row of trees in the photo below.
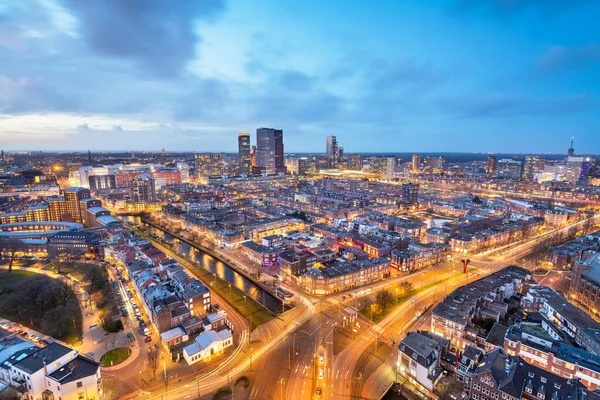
(43, 302)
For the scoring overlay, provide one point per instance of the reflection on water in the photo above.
(215, 266)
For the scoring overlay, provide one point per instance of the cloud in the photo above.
(160, 36)
(83, 127)
(560, 58)
(503, 106)
(117, 128)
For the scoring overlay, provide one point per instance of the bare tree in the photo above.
(9, 248)
(62, 258)
(64, 292)
(153, 359)
(384, 298)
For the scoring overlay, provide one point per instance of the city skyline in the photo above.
(448, 83)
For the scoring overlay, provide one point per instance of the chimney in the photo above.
(45, 368)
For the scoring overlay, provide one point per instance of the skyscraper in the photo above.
(244, 153)
(578, 168)
(143, 189)
(332, 151)
(416, 163)
(209, 164)
(269, 150)
(491, 165)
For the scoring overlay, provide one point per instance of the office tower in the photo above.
(533, 165)
(244, 153)
(491, 165)
(356, 162)
(208, 164)
(73, 205)
(509, 169)
(269, 150)
(578, 168)
(340, 154)
(390, 169)
(571, 151)
(332, 151)
(143, 189)
(410, 193)
(416, 163)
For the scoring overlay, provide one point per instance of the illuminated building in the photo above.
(509, 169)
(143, 189)
(356, 162)
(491, 165)
(533, 165)
(208, 164)
(244, 153)
(410, 193)
(73, 205)
(269, 150)
(416, 163)
(332, 151)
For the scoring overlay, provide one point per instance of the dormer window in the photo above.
(531, 375)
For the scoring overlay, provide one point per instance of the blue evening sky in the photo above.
(388, 76)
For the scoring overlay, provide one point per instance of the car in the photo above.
(18, 330)
(321, 358)
(319, 392)
(44, 342)
(23, 333)
(321, 373)
(148, 339)
(36, 338)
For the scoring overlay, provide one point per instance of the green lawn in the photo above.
(115, 356)
(24, 299)
(251, 309)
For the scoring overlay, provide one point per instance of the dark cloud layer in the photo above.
(158, 35)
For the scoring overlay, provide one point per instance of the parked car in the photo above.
(319, 392)
(148, 339)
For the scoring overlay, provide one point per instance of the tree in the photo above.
(95, 276)
(64, 292)
(9, 248)
(58, 321)
(62, 258)
(384, 298)
(153, 359)
(405, 287)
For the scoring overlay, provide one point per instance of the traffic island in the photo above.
(115, 357)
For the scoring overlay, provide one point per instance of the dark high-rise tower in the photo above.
(332, 150)
(410, 193)
(244, 153)
(571, 151)
(269, 150)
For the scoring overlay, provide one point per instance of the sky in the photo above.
(383, 76)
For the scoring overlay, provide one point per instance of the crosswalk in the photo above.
(377, 329)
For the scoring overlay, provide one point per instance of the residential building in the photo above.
(491, 165)
(143, 189)
(356, 162)
(332, 151)
(416, 163)
(419, 358)
(56, 372)
(533, 165)
(206, 345)
(410, 193)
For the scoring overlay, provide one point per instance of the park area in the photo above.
(39, 302)
(101, 293)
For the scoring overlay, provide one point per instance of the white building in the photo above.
(206, 345)
(418, 358)
(56, 372)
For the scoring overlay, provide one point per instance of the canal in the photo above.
(215, 266)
